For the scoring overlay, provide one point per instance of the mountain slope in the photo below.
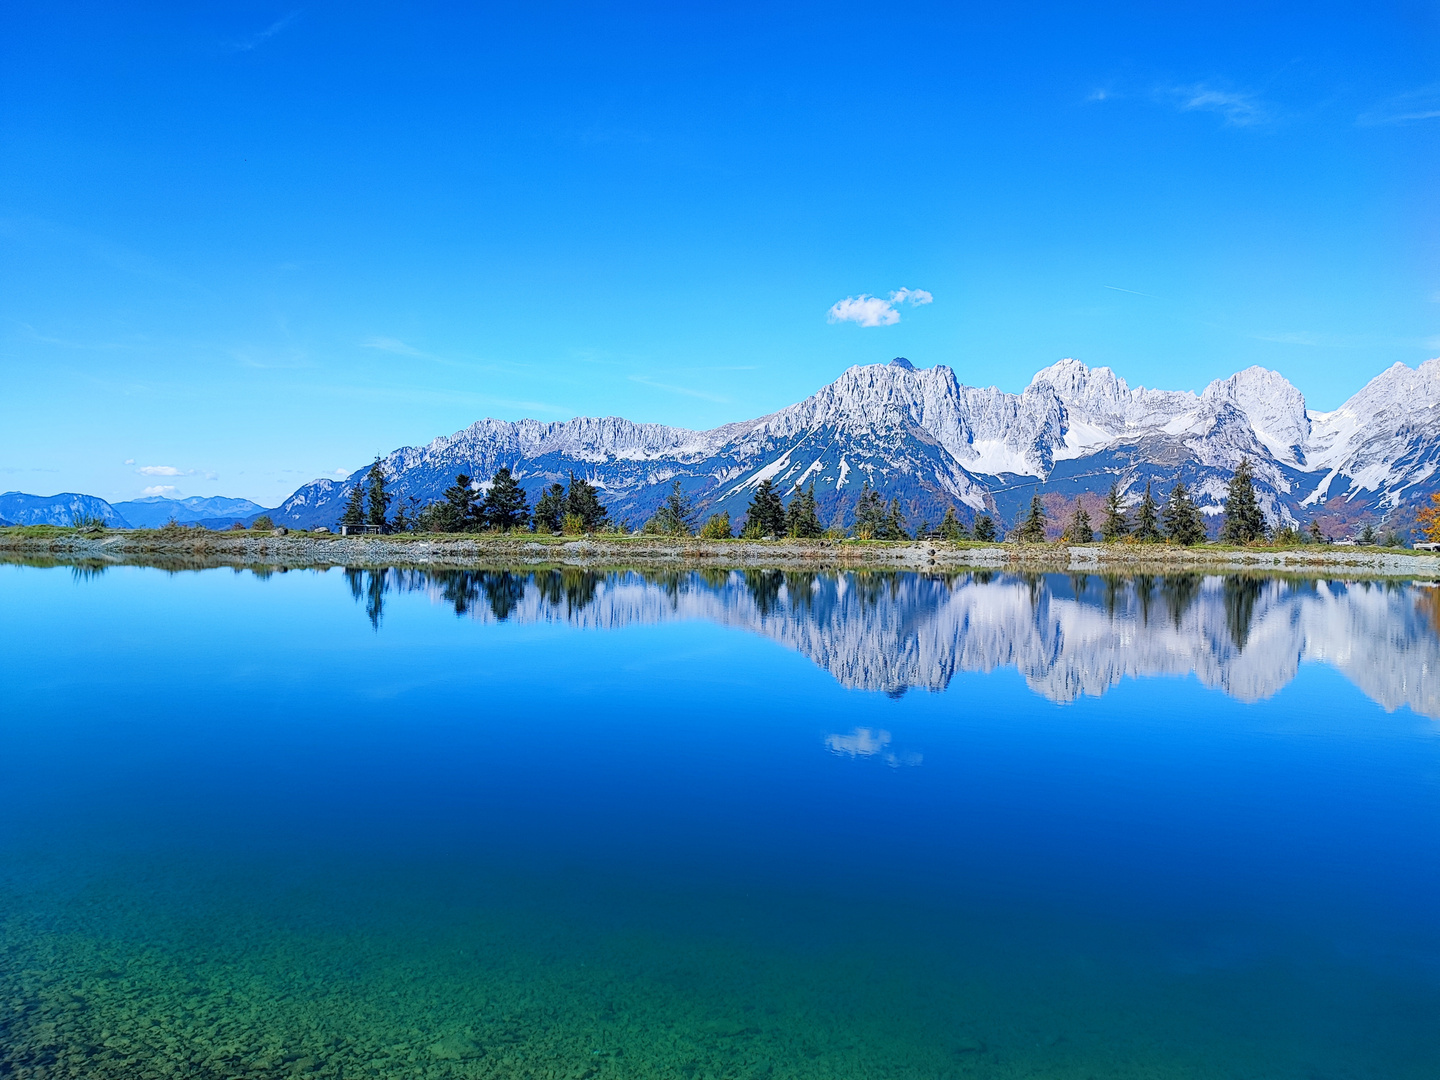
(155, 511)
(924, 438)
(66, 508)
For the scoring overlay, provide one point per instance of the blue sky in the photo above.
(246, 246)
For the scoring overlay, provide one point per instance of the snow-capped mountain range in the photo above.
(926, 438)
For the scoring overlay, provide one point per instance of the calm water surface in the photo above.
(722, 825)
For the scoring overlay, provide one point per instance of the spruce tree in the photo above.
(676, 515)
(951, 527)
(1147, 519)
(505, 505)
(766, 514)
(401, 522)
(801, 520)
(354, 512)
(1114, 527)
(1314, 533)
(1183, 523)
(1032, 529)
(549, 509)
(869, 514)
(892, 525)
(1367, 534)
(583, 502)
(459, 511)
(1078, 529)
(379, 498)
(1244, 521)
(985, 530)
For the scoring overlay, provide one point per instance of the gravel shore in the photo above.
(194, 548)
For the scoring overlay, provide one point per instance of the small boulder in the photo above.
(321, 531)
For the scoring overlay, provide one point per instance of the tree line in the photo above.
(576, 508)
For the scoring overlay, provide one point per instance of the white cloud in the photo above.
(1238, 109)
(129, 461)
(159, 489)
(867, 310)
(159, 470)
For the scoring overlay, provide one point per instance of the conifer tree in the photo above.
(892, 526)
(1032, 529)
(766, 514)
(1314, 533)
(985, 530)
(1114, 527)
(1367, 534)
(354, 512)
(1078, 529)
(379, 498)
(583, 502)
(549, 509)
(869, 514)
(676, 515)
(458, 513)
(951, 527)
(505, 505)
(1183, 523)
(801, 520)
(1244, 521)
(1147, 519)
(401, 522)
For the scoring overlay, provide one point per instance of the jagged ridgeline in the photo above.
(923, 437)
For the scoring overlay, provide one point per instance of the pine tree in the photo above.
(1244, 521)
(985, 530)
(676, 516)
(1367, 534)
(1078, 529)
(505, 505)
(401, 523)
(1183, 523)
(892, 526)
(354, 512)
(1114, 526)
(1147, 519)
(1032, 529)
(458, 513)
(379, 498)
(549, 509)
(869, 514)
(582, 501)
(765, 515)
(801, 520)
(1314, 533)
(951, 528)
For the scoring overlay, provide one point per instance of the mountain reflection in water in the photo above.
(1068, 635)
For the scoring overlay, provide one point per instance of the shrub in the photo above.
(717, 527)
(262, 522)
(572, 525)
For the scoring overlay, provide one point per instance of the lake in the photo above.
(717, 824)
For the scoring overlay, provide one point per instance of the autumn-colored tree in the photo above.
(1427, 519)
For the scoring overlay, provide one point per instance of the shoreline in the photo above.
(307, 551)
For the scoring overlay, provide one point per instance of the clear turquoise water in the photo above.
(489, 825)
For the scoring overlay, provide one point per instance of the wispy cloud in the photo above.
(159, 489)
(1132, 292)
(256, 40)
(867, 310)
(391, 345)
(1238, 108)
(645, 381)
(1407, 108)
(161, 470)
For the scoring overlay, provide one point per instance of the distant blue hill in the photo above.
(67, 508)
(214, 512)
